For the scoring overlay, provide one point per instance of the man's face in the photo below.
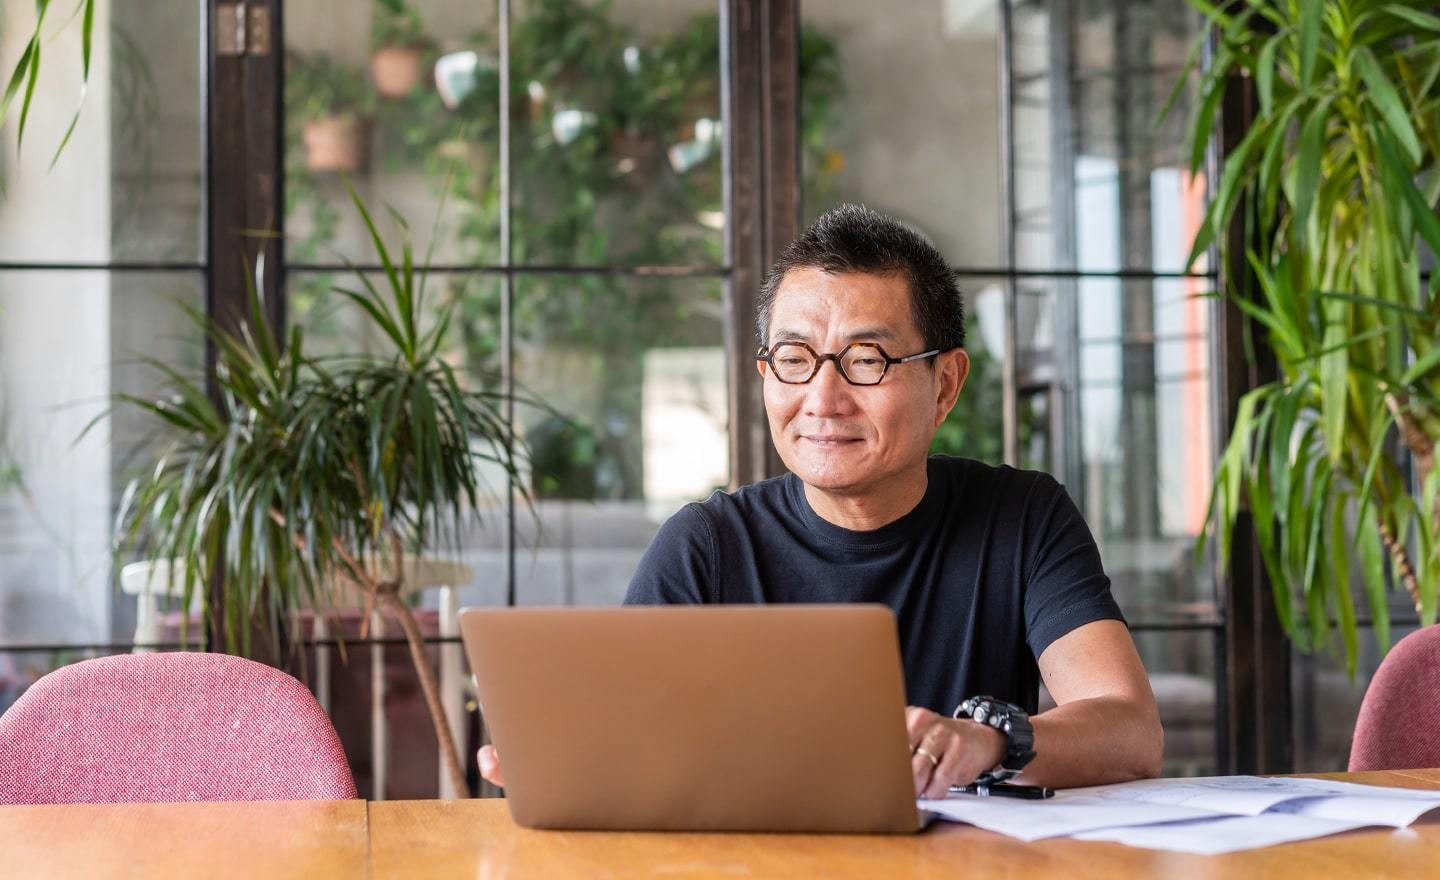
(849, 439)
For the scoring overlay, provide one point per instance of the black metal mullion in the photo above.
(500, 269)
(1010, 364)
(741, 24)
(1257, 651)
(507, 291)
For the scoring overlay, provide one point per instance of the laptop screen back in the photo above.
(756, 718)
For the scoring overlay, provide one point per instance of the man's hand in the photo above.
(948, 751)
(489, 761)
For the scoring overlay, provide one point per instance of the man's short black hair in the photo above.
(853, 238)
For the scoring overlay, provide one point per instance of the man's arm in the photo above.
(1104, 728)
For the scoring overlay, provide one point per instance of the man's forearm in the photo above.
(1095, 741)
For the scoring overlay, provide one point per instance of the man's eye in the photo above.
(866, 362)
(790, 361)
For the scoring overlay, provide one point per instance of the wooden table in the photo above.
(476, 839)
(269, 839)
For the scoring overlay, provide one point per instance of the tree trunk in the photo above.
(449, 755)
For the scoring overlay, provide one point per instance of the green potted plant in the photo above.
(1337, 178)
(333, 107)
(315, 478)
(397, 59)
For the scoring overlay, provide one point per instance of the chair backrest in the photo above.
(1399, 723)
(169, 727)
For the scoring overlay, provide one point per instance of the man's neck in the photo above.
(864, 512)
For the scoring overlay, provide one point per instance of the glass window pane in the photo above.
(1326, 702)
(635, 371)
(1181, 667)
(130, 183)
(974, 428)
(68, 341)
(616, 138)
(405, 106)
(1115, 387)
(1182, 675)
(1099, 186)
(884, 123)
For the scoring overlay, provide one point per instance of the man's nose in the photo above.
(828, 392)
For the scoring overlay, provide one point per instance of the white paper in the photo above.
(1396, 812)
(1202, 815)
(1056, 817)
(1232, 834)
(1253, 795)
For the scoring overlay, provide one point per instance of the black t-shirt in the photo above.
(990, 567)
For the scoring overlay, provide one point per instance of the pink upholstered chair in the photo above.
(169, 727)
(1399, 723)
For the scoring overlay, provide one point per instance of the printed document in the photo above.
(1228, 812)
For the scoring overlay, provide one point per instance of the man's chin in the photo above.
(831, 471)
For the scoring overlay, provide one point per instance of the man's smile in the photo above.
(830, 441)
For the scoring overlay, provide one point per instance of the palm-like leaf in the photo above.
(1336, 179)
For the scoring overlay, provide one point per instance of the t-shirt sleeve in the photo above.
(678, 567)
(1066, 586)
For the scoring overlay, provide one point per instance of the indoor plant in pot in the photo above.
(1335, 178)
(316, 477)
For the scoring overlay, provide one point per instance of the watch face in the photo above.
(1010, 719)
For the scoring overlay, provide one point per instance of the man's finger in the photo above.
(949, 772)
(923, 764)
(917, 722)
(489, 761)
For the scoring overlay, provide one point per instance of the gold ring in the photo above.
(933, 760)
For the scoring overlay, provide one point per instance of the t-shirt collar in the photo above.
(889, 533)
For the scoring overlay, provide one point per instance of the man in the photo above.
(989, 570)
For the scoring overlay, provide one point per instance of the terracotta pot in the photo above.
(336, 143)
(396, 70)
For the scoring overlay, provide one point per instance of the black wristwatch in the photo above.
(1010, 720)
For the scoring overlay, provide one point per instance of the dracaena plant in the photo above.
(1334, 182)
(312, 474)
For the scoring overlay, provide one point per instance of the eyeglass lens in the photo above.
(862, 363)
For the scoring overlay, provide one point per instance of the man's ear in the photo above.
(953, 368)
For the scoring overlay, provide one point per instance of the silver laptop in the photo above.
(718, 718)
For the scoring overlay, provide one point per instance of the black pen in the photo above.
(1006, 789)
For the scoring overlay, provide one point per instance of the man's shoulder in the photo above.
(762, 499)
(992, 483)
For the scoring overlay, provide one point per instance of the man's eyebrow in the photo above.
(862, 335)
(872, 333)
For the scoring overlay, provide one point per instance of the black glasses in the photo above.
(860, 363)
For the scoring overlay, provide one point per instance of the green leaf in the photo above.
(1387, 101)
(1339, 540)
(1181, 80)
(1422, 20)
(1373, 565)
(1421, 367)
(1310, 16)
(1397, 177)
(32, 77)
(1265, 73)
(1307, 167)
(1204, 124)
(17, 77)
